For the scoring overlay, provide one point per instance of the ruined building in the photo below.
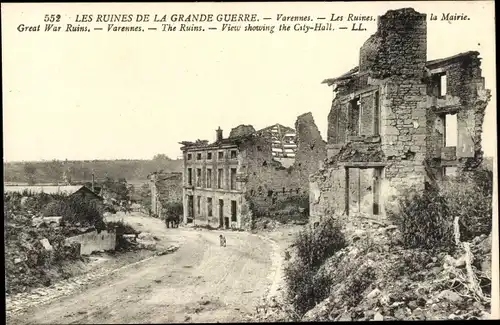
(164, 188)
(389, 126)
(283, 142)
(232, 181)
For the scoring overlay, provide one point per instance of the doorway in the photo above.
(233, 211)
(190, 217)
(221, 213)
(363, 187)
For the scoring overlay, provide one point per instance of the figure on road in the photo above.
(222, 240)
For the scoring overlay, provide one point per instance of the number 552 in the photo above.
(52, 18)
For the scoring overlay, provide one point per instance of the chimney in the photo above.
(219, 134)
(93, 182)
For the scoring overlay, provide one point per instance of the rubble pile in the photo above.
(375, 278)
(35, 252)
(266, 224)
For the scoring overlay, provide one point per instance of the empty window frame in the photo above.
(443, 85)
(439, 84)
(220, 175)
(209, 178)
(233, 211)
(233, 178)
(190, 176)
(354, 116)
(450, 130)
(209, 206)
(198, 177)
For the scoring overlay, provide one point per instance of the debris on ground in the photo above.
(375, 278)
(145, 236)
(168, 250)
(37, 251)
(46, 244)
(266, 224)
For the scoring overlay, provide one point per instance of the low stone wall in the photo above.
(94, 242)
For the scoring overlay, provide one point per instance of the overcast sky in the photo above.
(102, 95)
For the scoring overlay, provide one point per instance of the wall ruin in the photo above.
(164, 188)
(386, 127)
(263, 186)
(273, 190)
(94, 241)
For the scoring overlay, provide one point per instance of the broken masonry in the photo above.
(234, 181)
(398, 120)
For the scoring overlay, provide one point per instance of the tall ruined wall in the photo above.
(267, 182)
(467, 97)
(170, 188)
(272, 189)
(398, 48)
(403, 126)
(165, 188)
(408, 100)
(382, 148)
(311, 149)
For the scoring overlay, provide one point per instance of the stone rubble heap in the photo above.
(375, 278)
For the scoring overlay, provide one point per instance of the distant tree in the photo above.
(30, 170)
(67, 175)
(161, 156)
(118, 189)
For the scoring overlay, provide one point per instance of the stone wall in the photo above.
(202, 215)
(264, 187)
(165, 188)
(241, 130)
(273, 190)
(465, 96)
(94, 242)
(311, 149)
(404, 130)
(327, 192)
(396, 141)
(268, 183)
(398, 48)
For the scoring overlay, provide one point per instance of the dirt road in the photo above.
(201, 282)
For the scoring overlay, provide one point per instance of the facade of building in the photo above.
(164, 188)
(213, 181)
(398, 120)
(232, 181)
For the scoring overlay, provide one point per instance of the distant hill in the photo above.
(53, 171)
